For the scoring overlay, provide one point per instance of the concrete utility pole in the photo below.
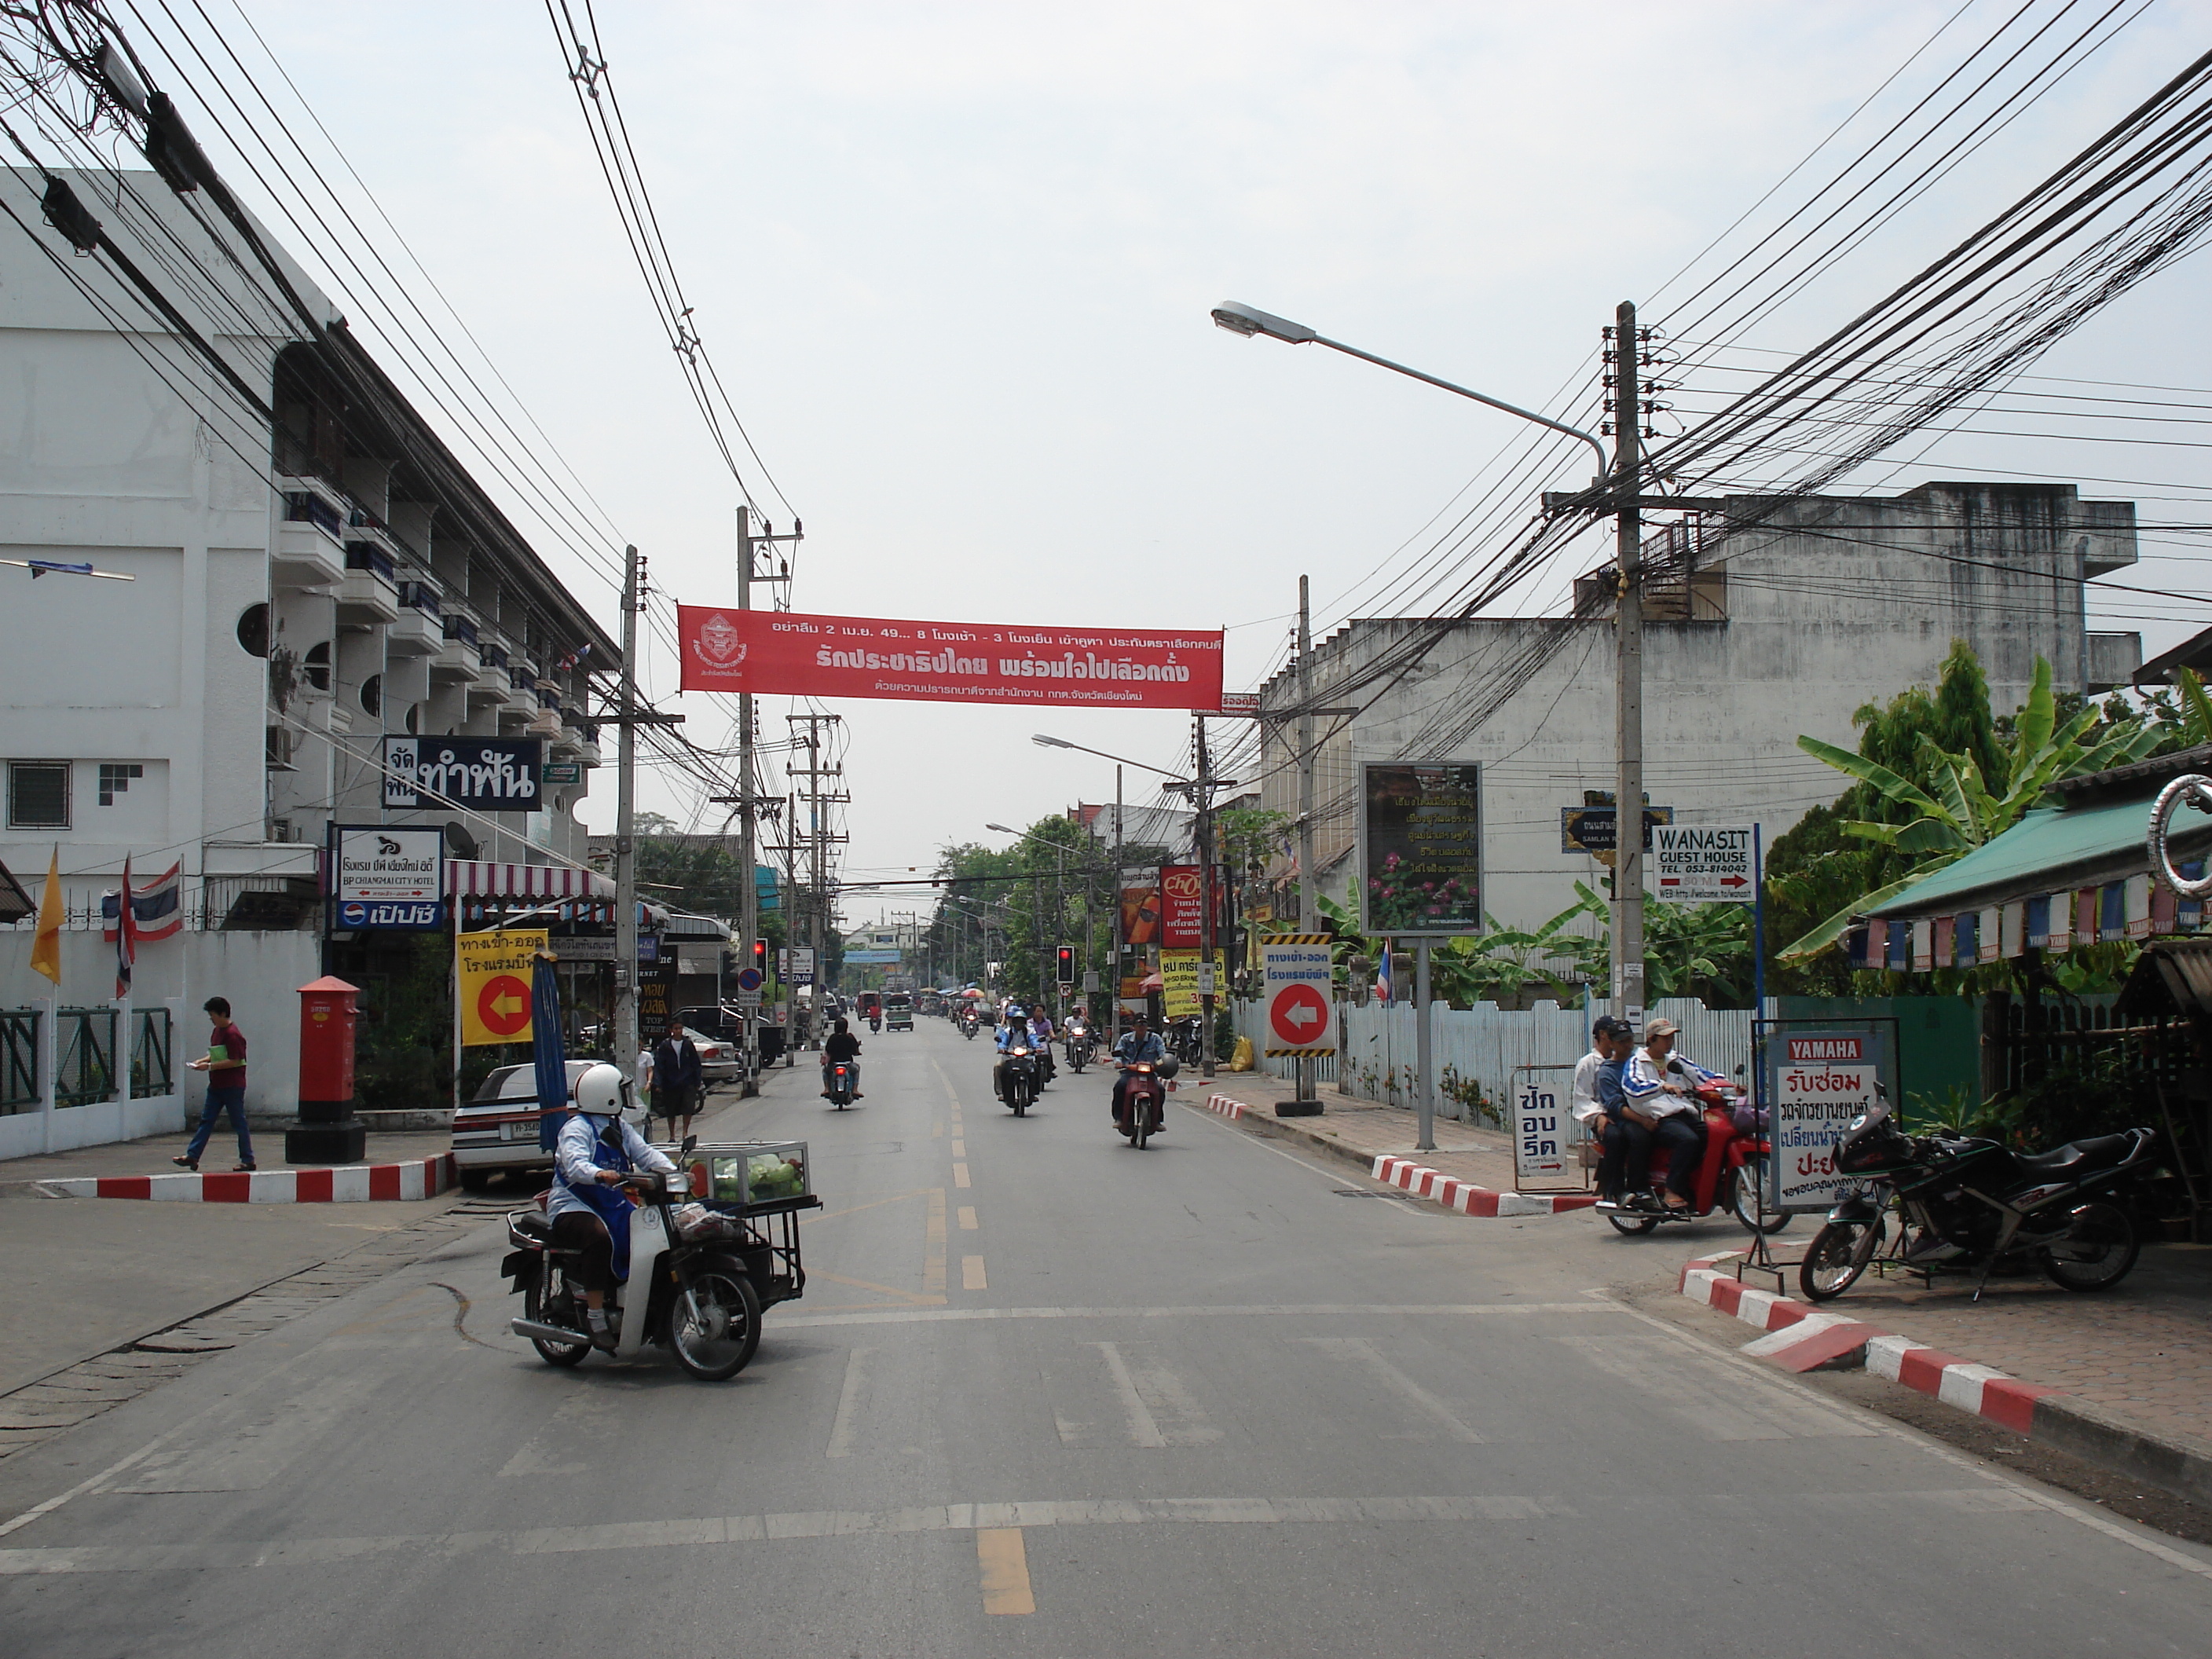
(1202, 799)
(819, 906)
(1114, 966)
(626, 1043)
(1628, 658)
(1309, 910)
(749, 904)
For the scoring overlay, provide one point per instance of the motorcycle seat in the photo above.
(2101, 1149)
(532, 1224)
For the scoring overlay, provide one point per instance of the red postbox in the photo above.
(328, 1132)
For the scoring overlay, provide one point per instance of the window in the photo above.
(115, 777)
(37, 795)
(253, 629)
(371, 695)
(315, 666)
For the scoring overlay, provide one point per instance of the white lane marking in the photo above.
(1706, 1395)
(1359, 1349)
(848, 1404)
(1214, 1121)
(2128, 1533)
(220, 1555)
(1142, 1429)
(257, 1447)
(1452, 1310)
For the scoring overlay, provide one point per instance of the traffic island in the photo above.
(362, 1183)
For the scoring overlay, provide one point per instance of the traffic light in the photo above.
(760, 957)
(1067, 964)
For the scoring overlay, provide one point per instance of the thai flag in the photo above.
(1382, 975)
(157, 909)
(126, 936)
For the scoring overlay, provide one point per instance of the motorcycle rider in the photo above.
(1138, 1046)
(1661, 1086)
(589, 1214)
(842, 1045)
(1598, 1101)
(1041, 1036)
(1013, 1028)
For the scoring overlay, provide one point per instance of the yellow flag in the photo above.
(46, 943)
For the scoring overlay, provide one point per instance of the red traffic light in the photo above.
(760, 956)
(1067, 964)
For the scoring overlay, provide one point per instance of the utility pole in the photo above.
(626, 1043)
(819, 906)
(1308, 910)
(1628, 649)
(1202, 799)
(749, 904)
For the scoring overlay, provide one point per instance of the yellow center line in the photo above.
(932, 1248)
(1005, 1563)
(971, 1273)
(960, 1175)
(968, 1217)
(959, 1149)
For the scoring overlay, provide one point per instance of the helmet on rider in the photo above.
(603, 1092)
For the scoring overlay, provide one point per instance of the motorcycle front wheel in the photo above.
(1018, 1096)
(1839, 1254)
(714, 1326)
(2101, 1249)
(1635, 1226)
(563, 1309)
(1746, 1198)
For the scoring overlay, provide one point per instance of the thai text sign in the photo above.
(1182, 907)
(1420, 848)
(371, 864)
(492, 774)
(1300, 997)
(785, 653)
(1816, 1082)
(1703, 864)
(1179, 981)
(493, 972)
(1541, 1129)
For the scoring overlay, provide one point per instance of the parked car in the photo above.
(722, 1024)
(721, 1061)
(496, 1133)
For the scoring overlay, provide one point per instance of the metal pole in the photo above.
(1424, 1086)
(1308, 910)
(1205, 827)
(626, 1042)
(1628, 659)
(748, 854)
(1113, 967)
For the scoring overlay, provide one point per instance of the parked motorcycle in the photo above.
(691, 1295)
(1731, 1176)
(840, 1083)
(1144, 1101)
(1018, 1079)
(1965, 1205)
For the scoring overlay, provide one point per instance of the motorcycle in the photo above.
(1731, 1176)
(1144, 1101)
(690, 1294)
(1018, 1079)
(1079, 1047)
(1963, 1203)
(969, 1024)
(875, 1022)
(839, 1081)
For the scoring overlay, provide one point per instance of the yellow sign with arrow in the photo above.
(493, 976)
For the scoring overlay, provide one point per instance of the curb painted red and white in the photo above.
(1467, 1199)
(362, 1183)
(1225, 1105)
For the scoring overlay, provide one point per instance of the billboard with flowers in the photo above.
(1420, 848)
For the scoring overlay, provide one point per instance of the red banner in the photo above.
(1182, 909)
(783, 653)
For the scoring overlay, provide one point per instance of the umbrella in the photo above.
(546, 1049)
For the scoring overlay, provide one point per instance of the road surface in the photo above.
(1047, 1394)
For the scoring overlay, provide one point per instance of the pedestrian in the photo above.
(676, 1079)
(645, 1073)
(225, 1065)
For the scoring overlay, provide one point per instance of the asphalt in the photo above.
(1050, 1394)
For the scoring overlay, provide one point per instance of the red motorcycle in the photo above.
(1144, 1101)
(1731, 1176)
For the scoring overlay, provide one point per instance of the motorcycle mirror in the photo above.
(689, 1141)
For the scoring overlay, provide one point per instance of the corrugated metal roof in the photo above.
(2051, 849)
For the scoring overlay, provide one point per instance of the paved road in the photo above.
(1048, 1394)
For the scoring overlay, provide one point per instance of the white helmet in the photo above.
(603, 1092)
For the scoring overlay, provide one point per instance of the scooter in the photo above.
(1731, 1176)
(1079, 1045)
(1145, 1100)
(837, 1082)
(1018, 1079)
(875, 1022)
(968, 1025)
(690, 1295)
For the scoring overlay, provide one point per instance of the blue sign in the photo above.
(870, 958)
(417, 915)
(748, 979)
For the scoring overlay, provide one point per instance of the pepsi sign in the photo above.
(418, 915)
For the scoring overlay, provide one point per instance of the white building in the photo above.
(307, 577)
(1754, 636)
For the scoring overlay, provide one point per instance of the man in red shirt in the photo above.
(225, 1065)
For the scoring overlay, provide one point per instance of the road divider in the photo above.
(358, 1183)
(1467, 1199)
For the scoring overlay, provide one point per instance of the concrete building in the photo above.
(1765, 621)
(312, 570)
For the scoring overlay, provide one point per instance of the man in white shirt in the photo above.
(1598, 1100)
(1661, 1084)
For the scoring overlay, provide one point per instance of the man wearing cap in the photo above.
(1659, 1085)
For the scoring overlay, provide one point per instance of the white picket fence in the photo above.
(1481, 1047)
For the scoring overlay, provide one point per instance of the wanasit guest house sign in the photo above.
(784, 653)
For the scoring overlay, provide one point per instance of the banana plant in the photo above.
(1962, 809)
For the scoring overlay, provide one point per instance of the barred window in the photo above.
(38, 794)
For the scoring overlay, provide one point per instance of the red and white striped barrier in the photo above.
(360, 1183)
(1225, 1105)
(1466, 1198)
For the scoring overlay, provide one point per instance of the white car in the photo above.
(496, 1133)
(719, 1061)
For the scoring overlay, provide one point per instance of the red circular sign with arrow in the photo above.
(1299, 1016)
(503, 1005)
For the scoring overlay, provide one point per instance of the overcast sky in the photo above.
(955, 263)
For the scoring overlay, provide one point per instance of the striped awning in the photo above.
(474, 878)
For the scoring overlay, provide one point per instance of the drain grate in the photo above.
(1362, 1192)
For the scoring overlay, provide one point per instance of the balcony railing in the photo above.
(461, 628)
(548, 699)
(86, 1072)
(368, 556)
(18, 1059)
(522, 678)
(153, 1052)
(420, 596)
(493, 656)
(304, 506)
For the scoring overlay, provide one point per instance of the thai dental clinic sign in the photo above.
(1817, 1082)
(491, 774)
(785, 653)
